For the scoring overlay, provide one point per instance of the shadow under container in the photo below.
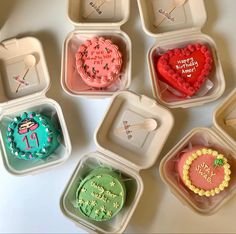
(96, 19)
(121, 153)
(220, 137)
(183, 28)
(19, 95)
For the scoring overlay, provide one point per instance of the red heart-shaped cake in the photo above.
(186, 69)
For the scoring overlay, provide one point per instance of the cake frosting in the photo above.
(101, 195)
(186, 69)
(32, 136)
(204, 171)
(98, 62)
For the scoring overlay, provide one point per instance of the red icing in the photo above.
(202, 173)
(98, 62)
(186, 69)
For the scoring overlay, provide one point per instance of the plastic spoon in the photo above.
(148, 125)
(230, 122)
(176, 4)
(29, 62)
(98, 4)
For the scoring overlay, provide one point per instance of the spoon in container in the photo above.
(176, 4)
(29, 62)
(230, 122)
(148, 124)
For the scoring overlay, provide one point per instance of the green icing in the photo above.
(101, 195)
(32, 136)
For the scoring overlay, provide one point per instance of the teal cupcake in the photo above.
(32, 136)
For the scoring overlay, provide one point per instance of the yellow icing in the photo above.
(202, 192)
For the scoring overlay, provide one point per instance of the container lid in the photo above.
(169, 17)
(23, 71)
(134, 130)
(98, 13)
(224, 118)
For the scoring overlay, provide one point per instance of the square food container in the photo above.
(124, 150)
(23, 88)
(95, 18)
(221, 137)
(176, 27)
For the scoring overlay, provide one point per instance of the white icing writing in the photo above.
(205, 171)
(187, 66)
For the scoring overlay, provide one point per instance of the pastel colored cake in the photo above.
(32, 136)
(101, 195)
(186, 69)
(204, 171)
(99, 62)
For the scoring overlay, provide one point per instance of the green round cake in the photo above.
(101, 194)
(32, 136)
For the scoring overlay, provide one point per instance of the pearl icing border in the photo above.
(202, 192)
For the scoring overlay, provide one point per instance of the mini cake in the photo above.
(98, 62)
(32, 136)
(101, 195)
(186, 69)
(204, 171)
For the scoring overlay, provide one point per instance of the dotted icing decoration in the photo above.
(98, 62)
(186, 69)
(32, 136)
(101, 195)
(206, 168)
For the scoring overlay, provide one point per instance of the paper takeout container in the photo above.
(90, 19)
(181, 27)
(220, 137)
(120, 153)
(31, 96)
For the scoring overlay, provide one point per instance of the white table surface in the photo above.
(31, 204)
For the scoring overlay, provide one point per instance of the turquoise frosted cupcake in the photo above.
(32, 136)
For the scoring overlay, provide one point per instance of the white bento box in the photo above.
(95, 18)
(127, 152)
(23, 88)
(176, 27)
(221, 137)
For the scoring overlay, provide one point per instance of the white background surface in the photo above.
(31, 204)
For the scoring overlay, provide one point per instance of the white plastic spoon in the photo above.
(148, 125)
(176, 4)
(230, 122)
(29, 62)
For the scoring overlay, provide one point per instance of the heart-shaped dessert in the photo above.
(186, 69)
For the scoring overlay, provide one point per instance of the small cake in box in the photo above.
(33, 130)
(101, 194)
(96, 60)
(186, 69)
(106, 187)
(204, 171)
(201, 170)
(184, 65)
(32, 136)
(99, 62)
